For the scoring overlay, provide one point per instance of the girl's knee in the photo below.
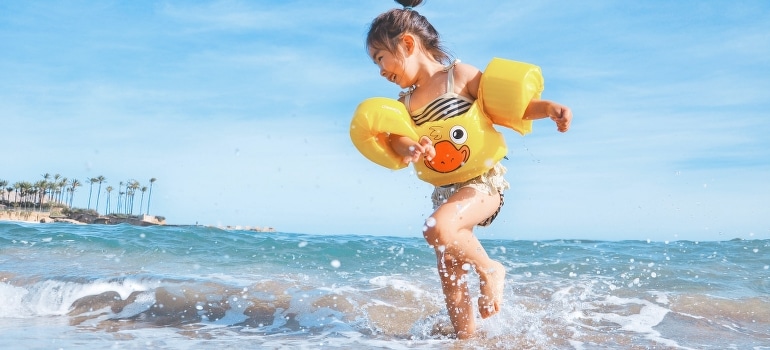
(437, 232)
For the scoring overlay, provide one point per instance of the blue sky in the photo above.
(241, 110)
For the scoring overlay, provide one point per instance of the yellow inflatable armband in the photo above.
(505, 90)
(373, 121)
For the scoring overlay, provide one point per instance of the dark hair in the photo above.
(386, 30)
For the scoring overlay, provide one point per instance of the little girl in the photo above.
(408, 52)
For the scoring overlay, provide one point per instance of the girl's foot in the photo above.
(492, 281)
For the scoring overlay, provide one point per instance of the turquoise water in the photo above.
(124, 287)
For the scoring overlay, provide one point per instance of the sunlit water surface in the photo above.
(124, 287)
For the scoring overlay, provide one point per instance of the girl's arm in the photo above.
(539, 109)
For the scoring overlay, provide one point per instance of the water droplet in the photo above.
(430, 222)
(335, 263)
(302, 244)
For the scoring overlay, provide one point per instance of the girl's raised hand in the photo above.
(422, 149)
(562, 118)
(411, 150)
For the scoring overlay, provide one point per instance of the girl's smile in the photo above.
(391, 67)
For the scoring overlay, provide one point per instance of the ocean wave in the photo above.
(189, 287)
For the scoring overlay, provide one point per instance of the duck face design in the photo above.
(451, 153)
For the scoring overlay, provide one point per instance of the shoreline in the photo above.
(34, 217)
(38, 217)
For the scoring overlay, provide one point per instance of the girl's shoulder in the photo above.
(464, 69)
(467, 78)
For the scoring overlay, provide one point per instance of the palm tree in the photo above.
(120, 196)
(25, 188)
(57, 187)
(109, 190)
(46, 177)
(92, 181)
(40, 187)
(121, 205)
(4, 183)
(8, 191)
(60, 187)
(149, 196)
(74, 184)
(19, 186)
(101, 179)
(131, 188)
(129, 195)
(44, 188)
(16, 188)
(50, 186)
(141, 202)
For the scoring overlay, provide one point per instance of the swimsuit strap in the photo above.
(407, 98)
(450, 79)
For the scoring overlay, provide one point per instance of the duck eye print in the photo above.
(458, 135)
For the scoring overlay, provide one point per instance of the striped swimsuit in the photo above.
(448, 105)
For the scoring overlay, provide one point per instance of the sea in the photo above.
(65, 286)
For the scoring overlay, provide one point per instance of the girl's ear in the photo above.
(409, 43)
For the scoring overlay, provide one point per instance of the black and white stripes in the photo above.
(442, 108)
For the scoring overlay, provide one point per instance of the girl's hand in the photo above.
(562, 117)
(411, 150)
(560, 114)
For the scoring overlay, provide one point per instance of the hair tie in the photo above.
(408, 8)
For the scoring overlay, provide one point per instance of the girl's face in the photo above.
(393, 66)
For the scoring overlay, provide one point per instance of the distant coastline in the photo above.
(28, 216)
(143, 220)
(78, 218)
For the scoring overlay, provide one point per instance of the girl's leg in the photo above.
(450, 232)
(456, 295)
